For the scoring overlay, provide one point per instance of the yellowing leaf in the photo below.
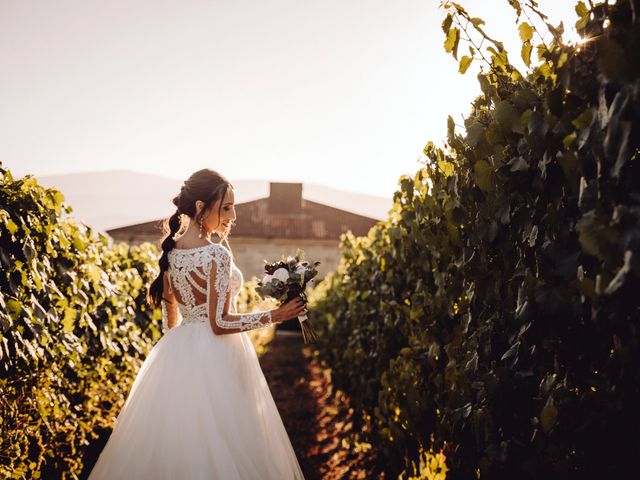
(451, 43)
(94, 273)
(568, 140)
(582, 22)
(68, 320)
(564, 56)
(58, 197)
(447, 168)
(28, 183)
(581, 9)
(13, 308)
(79, 243)
(429, 149)
(11, 226)
(526, 32)
(137, 283)
(465, 62)
(446, 23)
(525, 53)
(583, 120)
(37, 280)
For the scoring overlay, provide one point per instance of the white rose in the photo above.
(281, 274)
(266, 279)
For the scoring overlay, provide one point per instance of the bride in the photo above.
(200, 407)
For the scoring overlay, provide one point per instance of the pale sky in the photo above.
(343, 93)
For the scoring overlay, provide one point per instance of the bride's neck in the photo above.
(190, 237)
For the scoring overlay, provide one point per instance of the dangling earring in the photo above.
(201, 228)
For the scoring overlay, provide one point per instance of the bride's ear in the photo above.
(199, 205)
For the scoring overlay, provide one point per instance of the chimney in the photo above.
(285, 197)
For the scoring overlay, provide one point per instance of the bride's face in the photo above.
(221, 224)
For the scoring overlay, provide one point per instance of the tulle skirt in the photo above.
(199, 408)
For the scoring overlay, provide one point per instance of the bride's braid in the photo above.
(206, 185)
(170, 227)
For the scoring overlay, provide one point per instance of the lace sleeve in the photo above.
(170, 313)
(218, 296)
(165, 317)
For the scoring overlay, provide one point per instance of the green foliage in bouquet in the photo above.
(293, 283)
(74, 329)
(287, 279)
(495, 313)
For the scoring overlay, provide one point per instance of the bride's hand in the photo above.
(291, 309)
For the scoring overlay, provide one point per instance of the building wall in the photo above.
(133, 238)
(250, 253)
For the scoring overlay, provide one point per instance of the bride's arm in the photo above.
(222, 321)
(170, 314)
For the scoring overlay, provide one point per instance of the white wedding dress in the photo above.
(200, 407)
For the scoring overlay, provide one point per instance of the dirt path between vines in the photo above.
(318, 420)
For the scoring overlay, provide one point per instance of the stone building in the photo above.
(271, 227)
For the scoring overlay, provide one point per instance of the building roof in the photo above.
(284, 214)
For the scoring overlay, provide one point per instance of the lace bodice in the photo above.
(189, 274)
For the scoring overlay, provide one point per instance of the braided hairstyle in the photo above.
(206, 185)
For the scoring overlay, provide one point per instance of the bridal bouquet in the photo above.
(287, 279)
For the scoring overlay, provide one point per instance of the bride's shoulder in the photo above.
(200, 254)
(218, 250)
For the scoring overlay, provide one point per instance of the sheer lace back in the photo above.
(189, 273)
(188, 280)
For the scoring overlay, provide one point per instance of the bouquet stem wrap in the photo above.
(308, 333)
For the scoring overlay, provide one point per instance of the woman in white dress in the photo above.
(200, 407)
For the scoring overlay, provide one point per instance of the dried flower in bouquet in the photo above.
(287, 279)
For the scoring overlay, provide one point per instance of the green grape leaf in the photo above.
(548, 417)
(483, 175)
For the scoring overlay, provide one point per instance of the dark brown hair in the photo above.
(206, 185)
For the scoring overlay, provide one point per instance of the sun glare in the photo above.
(572, 37)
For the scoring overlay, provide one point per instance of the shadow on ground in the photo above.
(319, 421)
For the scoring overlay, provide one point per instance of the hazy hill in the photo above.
(118, 198)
